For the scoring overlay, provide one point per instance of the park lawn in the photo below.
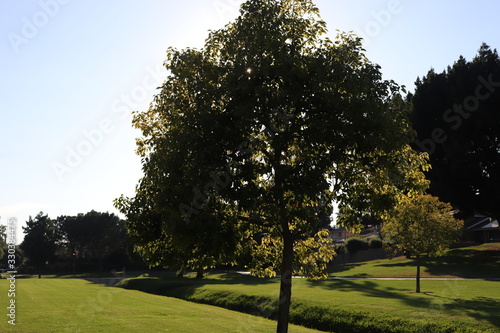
(481, 261)
(74, 305)
(473, 303)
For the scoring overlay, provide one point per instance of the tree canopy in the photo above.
(251, 139)
(39, 244)
(457, 117)
(3, 240)
(92, 235)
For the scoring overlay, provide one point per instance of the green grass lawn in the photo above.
(73, 305)
(474, 303)
(470, 262)
(63, 304)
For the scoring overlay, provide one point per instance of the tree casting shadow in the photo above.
(480, 308)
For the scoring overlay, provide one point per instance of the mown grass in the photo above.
(62, 304)
(469, 262)
(454, 306)
(469, 305)
(73, 305)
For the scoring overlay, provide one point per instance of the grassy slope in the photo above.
(471, 262)
(473, 302)
(71, 305)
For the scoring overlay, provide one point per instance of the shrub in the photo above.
(340, 248)
(354, 244)
(375, 243)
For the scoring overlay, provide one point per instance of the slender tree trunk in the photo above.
(418, 274)
(199, 272)
(181, 272)
(286, 284)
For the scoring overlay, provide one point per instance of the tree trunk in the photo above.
(181, 272)
(286, 284)
(100, 263)
(418, 274)
(199, 272)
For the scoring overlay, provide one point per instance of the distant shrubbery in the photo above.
(354, 244)
(340, 249)
(375, 243)
(357, 243)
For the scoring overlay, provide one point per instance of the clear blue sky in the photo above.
(72, 71)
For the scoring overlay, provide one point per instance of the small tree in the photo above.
(421, 226)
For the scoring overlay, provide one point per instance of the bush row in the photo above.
(329, 319)
(357, 243)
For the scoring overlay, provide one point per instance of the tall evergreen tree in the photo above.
(457, 118)
(39, 244)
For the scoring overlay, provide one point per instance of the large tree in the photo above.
(260, 131)
(421, 226)
(39, 244)
(457, 118)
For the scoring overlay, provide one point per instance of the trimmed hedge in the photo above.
(355, 243)
(375, 243)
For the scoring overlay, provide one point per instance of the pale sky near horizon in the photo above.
(72, 72)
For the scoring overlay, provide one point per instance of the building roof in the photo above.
(480, 222)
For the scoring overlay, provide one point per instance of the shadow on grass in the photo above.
(193, 290)
(108, 282)
(480, 308)
(466, 263)
(172, 286)
(346, 267)
(106, 274)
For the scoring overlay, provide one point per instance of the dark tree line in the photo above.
(457, 118)
(3, 240)
(85, 242)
